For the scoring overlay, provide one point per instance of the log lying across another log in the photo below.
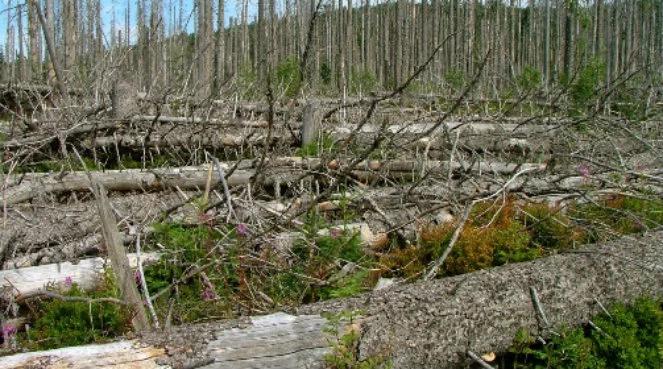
(422, 325)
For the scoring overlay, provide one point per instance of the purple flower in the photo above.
(8, 330)
(335, 233)
(137, 278)
(68, 281)
(242, 229)
(208, 294)
(583, 169)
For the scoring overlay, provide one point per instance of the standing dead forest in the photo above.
(331, 184)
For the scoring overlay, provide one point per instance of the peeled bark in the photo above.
(422, 325)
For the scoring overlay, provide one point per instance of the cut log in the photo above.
(422, 325)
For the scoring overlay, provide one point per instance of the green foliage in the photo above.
(325, 144)
(344, 353)
(529, 79)
(345, 246)
(455, 78)
(288, 77)
(582, 90)
(61, 323)
(620, 214)
(186, 247)
(549, 228)
(362, 81)
(325, 74)
(348, 286)
(630, 337)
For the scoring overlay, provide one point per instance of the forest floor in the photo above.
(230, 215)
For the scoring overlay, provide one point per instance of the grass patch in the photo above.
(620, 215)
(324, 145)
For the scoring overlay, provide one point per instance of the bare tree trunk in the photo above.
(35, 41)
(220, 71)
(70, 24)
(51, 49)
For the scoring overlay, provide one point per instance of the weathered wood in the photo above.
(119, 261)
(311, 124)
(429, 324)
(285, 169)
(87, 273)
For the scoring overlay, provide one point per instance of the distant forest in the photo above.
(344, 47)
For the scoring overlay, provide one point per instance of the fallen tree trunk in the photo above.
(422, 325)
(25, 187)
(87, 273)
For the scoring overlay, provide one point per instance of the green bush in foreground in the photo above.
(71, 323)
(630, 337)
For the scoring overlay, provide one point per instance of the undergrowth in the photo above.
(324, 145)
(59, 323)
(509, 232)
(214, 270)
(345, 332)
(631, 336)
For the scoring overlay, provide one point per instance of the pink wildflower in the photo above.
(8, 330)
(584, 171)
(208, 294)
(68, 281)
(335, 233)
(242, 229)
(137, 278)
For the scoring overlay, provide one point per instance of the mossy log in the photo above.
(430, 324)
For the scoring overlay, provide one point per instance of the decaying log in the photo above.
(86, 273)
(422, 325)
(26, 187)
(200, 120)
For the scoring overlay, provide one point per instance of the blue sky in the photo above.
(118, 7)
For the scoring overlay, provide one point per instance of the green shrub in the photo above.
(348, 286)
(529, 79)
(630, 337)
(288, 77)
(362, 81)
(324, 145)
(186, 248)
(325, 74)
(583, 88)
(455, 78)
(61, 323)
